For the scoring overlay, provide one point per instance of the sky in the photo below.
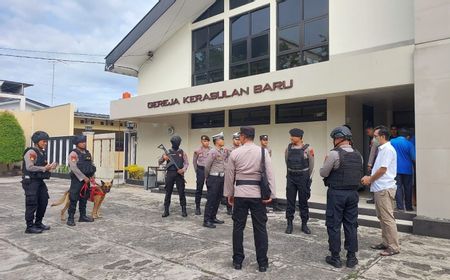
(91, 27)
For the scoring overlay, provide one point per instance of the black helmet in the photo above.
(79, 139)
(341, 132)
(38, 136)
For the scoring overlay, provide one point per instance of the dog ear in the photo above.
(102, 182)
(112, 181)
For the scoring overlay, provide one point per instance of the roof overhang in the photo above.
(158, 25)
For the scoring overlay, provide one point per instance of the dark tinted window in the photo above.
(206, 120)
(250, 116)
(289, 12)
(240, 27)
(238, 3)
(316, 32)
(260, 21)
(301, 112)
(214, 9)
(315, 8)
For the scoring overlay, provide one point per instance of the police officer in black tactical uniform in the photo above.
(35, 170)
(174, 175)
(342, 172)
(82, 171)
(300, 165)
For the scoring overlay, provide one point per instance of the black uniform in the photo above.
(342, 201)
(297, 182)
(36, 192)
(88, 169)
(173, 177)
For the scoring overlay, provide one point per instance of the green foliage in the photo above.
(63, 169)
(136, 172)
(12, 139)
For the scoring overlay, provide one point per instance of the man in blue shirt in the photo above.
(406, 157)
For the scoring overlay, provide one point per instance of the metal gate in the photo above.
(103, 153)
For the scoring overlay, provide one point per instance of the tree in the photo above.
(12, 139)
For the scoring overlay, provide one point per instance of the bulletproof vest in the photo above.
(41, 160)
(177, 157)
(85, 163)
(296, 158)
(349, 173)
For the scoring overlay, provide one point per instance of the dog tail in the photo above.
(61, 200)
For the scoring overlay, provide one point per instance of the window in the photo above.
(214, 9)
(112, 123)
(92, 122)
(250, 52)
(309, 111)
(207, 120)
(81, 121)
(302, 32)
(102, 123)
(250, 116)
(207, 54)
(238, 3)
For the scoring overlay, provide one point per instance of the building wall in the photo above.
(57, 121)
(432, 87)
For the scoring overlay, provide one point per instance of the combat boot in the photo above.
(86, 219)
(351, 260)
(305, 228)
(31, 228)
(183, 211)
(42, 226)
(289, 227)
(334, 260)
(71, 221)
(166, 211)
(197, 210)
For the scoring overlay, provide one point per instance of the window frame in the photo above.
(221, 124)
(301, 118)
(249, 110)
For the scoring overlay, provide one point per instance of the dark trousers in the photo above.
(214, 184)
(259, 220)
(74, 197)
(172, 178)
(36, 200)
(200, 172)
(298, 184)
(404, 191)
(342, 209)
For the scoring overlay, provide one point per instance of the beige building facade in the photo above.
(370, 66)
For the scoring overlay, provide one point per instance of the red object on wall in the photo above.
(126, 95)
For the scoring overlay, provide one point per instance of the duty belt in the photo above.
(298, 170)
(247, 182)
(219, 174)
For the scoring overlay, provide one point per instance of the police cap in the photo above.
(264, 137)
(218, 136)
(296, 132)
(38, 136)
(236, 135)
(204, 137)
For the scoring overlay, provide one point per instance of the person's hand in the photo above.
(267, 201)
(165, 157)
(366, 180)
(180, 171)
(48, 167)
(54, 165)
(231, 200)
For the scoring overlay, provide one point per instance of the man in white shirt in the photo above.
(382, 184)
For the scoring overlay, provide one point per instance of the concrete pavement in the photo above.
(132, 241)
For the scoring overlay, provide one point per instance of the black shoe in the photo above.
(70, 222)
(370, 201)
(262, 268)
(183, 211)
(306, 229)
(42, 226)
(237, 266)
(409, 209)
(166, 212)
(229, 210)
(209, 225)
(198, 211)
(85, 219)
(217, 221)
(33, 229)
(334, 261)
(290, 227)
(351, 262)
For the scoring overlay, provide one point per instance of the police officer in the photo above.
(342, 172)
(215, 170)
(236, 144)
(199, 167)
(174, 175)
(264, 141)
(244, 170)
(82, 171)
(35, 170)
(300, 165)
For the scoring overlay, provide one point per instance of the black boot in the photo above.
(334, 260)
(289, 227)
(31, 228)
(197, 210)
(71, 220)
(183, 211)
(86, 219)
(305, 228)
(166, 211)
(41, 226)
(351, 260)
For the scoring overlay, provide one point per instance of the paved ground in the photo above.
(132, 241)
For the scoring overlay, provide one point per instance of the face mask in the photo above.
(376, 142)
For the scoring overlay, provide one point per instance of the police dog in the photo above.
(98, 197)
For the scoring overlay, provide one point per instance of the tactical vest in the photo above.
(85, 163)
(177, 157)
(296, 158)
(349, 173)
(41, 160)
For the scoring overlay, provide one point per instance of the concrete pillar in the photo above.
(336, 114)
